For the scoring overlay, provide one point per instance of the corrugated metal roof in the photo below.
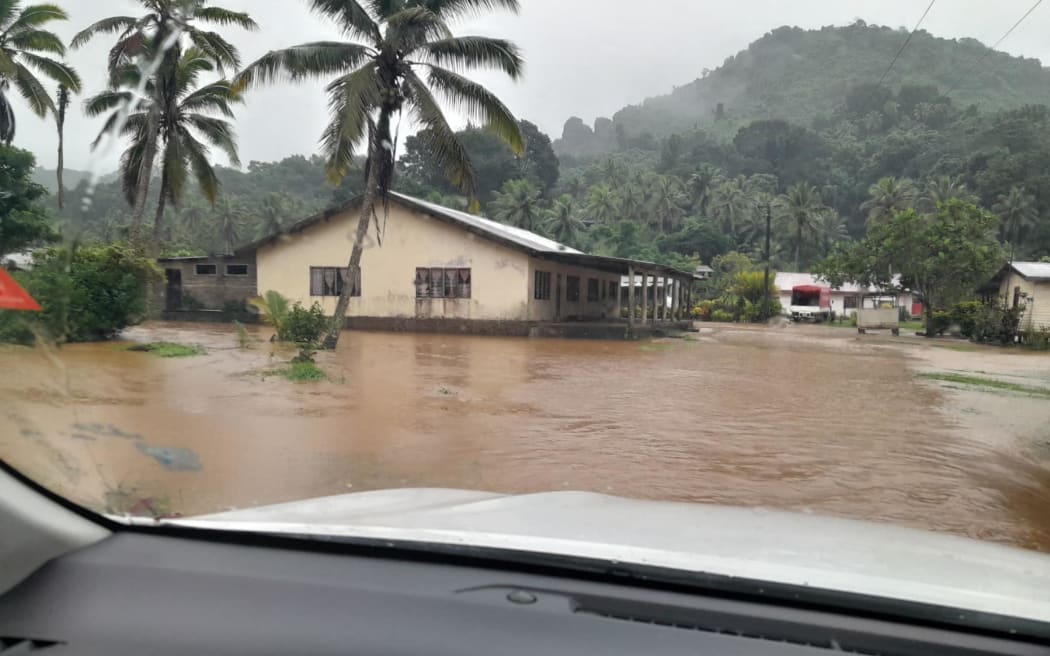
(785, 281)
(1033, 270)
(520, 236)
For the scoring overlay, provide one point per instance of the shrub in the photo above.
(273, 307)
(302, 326)
(966, 315)
(721, 315)
(1038, 340)
(938, 323)
(88, 293)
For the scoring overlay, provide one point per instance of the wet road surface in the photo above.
(807, 420)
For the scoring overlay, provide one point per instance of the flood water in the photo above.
(817, 421)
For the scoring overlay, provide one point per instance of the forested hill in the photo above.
(803, 75)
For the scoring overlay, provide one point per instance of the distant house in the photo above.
(1027, 285)
(436, 268)
(844, 298)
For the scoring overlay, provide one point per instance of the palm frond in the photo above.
(7, 11)
(457, 8)
(218, 133)
(37, 40)
(225, 17)
(105, 26)
(439, 137)
(34, 16)
(57, 71)
(126, 48)
(216, 96)
(8, 68)
(222, 52)
(467, 52)
(105, 101)
(131, 165)
(318, 59)
(479, 104)
(196, 154)
(351, 100)
(33, 92)
(193, 62)
(7, 119)
(351, 18)
(413, 26)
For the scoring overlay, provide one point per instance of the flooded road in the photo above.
(806, 420)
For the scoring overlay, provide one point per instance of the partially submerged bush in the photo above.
(303, 326)
(168, 349)
(88, 293)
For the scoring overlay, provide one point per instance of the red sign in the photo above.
(13, 297)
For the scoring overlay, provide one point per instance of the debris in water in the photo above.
(173, 458)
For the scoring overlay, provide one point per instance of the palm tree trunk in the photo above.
(798, 245)
(363, 221)
(158, 218)
(61, 166)
(145, 172)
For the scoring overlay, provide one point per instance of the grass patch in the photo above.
(168, 349)
(301, 372)
(654, 347)
(989, 383)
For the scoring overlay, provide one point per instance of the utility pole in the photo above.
(766, 304)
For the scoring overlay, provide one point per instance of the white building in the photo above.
(844, 298)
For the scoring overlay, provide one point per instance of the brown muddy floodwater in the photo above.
(810, 419)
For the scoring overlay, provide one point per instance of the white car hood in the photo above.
(798, 549)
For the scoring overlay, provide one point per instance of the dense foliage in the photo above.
(87, 293)
(23, 218)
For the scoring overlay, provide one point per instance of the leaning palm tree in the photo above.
(24, 45)
(800, 210)
(160, 32)
(518, 204)
(1017, 212)
(887, 196)
(562, 223)
(190, 129)
(61, 105)
(603, 205)
(942, 189)
(408, 53)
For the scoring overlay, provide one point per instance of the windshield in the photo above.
(770, 257)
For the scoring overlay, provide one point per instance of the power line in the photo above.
(995, 45)
(906, 42)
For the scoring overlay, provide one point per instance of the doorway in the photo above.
(173, 290)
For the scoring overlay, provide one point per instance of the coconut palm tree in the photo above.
(666, 202)
(189, 130)
(1018, 213)
(230, 218)
(24, 46)
(730, 202)
(942, 189)
(830, 229)
(518, 204)
(61, 105)
(272, 211)
(800, 210)
(700, 185)
(887, 196)
(562, 223)
(406, 53)
(603, 205)
(160, 33)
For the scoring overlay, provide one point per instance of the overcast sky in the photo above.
(584, 57)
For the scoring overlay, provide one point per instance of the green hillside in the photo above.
(800, 75)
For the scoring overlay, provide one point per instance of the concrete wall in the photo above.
(544, 310)
(1037, 303)
(208, 292)
(500, 276)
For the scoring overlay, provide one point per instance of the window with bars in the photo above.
(572, 288)
(439, 282)
(849, 303)
(542, 286)
(206, 269)
(613, 289)
(329, 281)
(592, 290)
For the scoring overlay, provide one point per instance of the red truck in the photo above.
(810, 303)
